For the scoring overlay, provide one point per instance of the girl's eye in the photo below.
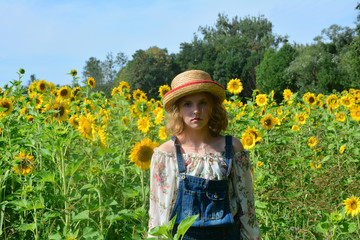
(203, 103)
(187, 104)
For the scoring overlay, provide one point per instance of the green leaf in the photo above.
(55, 236)
(84, 215)
(348, 227)
(158, 231)
(129, 192)
(73, 167)
(171, 223)
(323, 227)
(186, 224)
(27, 227)
(90, 233)
(47, 177)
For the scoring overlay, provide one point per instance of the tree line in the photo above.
(244, 48)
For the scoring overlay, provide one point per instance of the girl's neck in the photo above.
(195, 139)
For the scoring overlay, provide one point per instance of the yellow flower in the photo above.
(124, 87)
(41, 86)
(300, 118)
(287, 94)
(159, 117)
(312, 142)
(142, 152)
(315, 165)
(256, 92)
(62, 110)
(235, 86)
(125, 120)
(162, 133)
(260, 164)
(261, 100)
(144, 124)
(91, 82)
(248, 141)
(26, 163)
(255, 132)
(347, 101)
(74, 121)
(73, 73)
(332, 101)
(137, 94)
(103, 137)
(355, 113)
(268, 122)
(163, 90)
(8, 105)
(295, 128)
(115, 91)
(77, 92)
(352, 206)
(342, 149)
(86, 126)
(65, 92)
(340, 117)
(309, 98)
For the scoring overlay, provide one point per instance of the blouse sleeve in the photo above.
(162, 188)
(244, 190)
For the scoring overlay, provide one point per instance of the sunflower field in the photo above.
(75, 164)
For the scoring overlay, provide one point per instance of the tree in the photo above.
(93, 69)
(230, 49)
(270, 72)
(148, 70)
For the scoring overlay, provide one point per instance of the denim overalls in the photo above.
(209, 199)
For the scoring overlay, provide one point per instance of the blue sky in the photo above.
(50, 38)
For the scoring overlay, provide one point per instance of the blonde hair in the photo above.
(218, 118)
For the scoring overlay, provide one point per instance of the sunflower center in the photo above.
(64, 92)
(311, 100)
(268, 122)
(145, 153)
(249, 141)
(353, 205)
(42, 86)
(5, 105)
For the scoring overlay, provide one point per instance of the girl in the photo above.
(199, 171)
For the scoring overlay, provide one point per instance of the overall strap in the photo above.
(179, 157)
(228, 152)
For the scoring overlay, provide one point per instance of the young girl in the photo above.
(199, 171)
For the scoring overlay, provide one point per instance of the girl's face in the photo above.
(195, 110)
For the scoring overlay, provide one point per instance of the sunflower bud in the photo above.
(21, 71)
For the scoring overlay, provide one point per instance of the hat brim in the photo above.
(212, 87)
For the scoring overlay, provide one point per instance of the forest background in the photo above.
(244, 48)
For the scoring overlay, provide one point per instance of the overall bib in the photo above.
(209, 199)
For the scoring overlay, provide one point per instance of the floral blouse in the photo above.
(164, 181)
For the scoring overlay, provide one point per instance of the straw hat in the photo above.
(189, 82)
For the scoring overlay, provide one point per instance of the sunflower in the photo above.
(142, 152)
(287, 94)
(136, 94)
(103, 137)
(64, 92)
(347, 101)
(340, 117)
(86, 126)
(91, 82)
(355, 113)
(255, 132)
(332, 101)
(124, 87)
(248, 141)
(268, 122)
(74, 121)
(162, 133)
(62, 110)
(352, 206)
(143, 106)
(8, 105)
(235, 86)
(77, 92)
(127, 96)
(312, 142)
(315, 165)
(295, 128)
(342, 149)
(73, 73)
(41, 86)
(259, 164)
(309, 98)
(300, 118)
(26, 163)
(125, 120)
(159, 117)
(144, 124)
(163, 90)
(158, 104)
(256, 92)
(133, 110)
(115, 91)
(261, 100)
